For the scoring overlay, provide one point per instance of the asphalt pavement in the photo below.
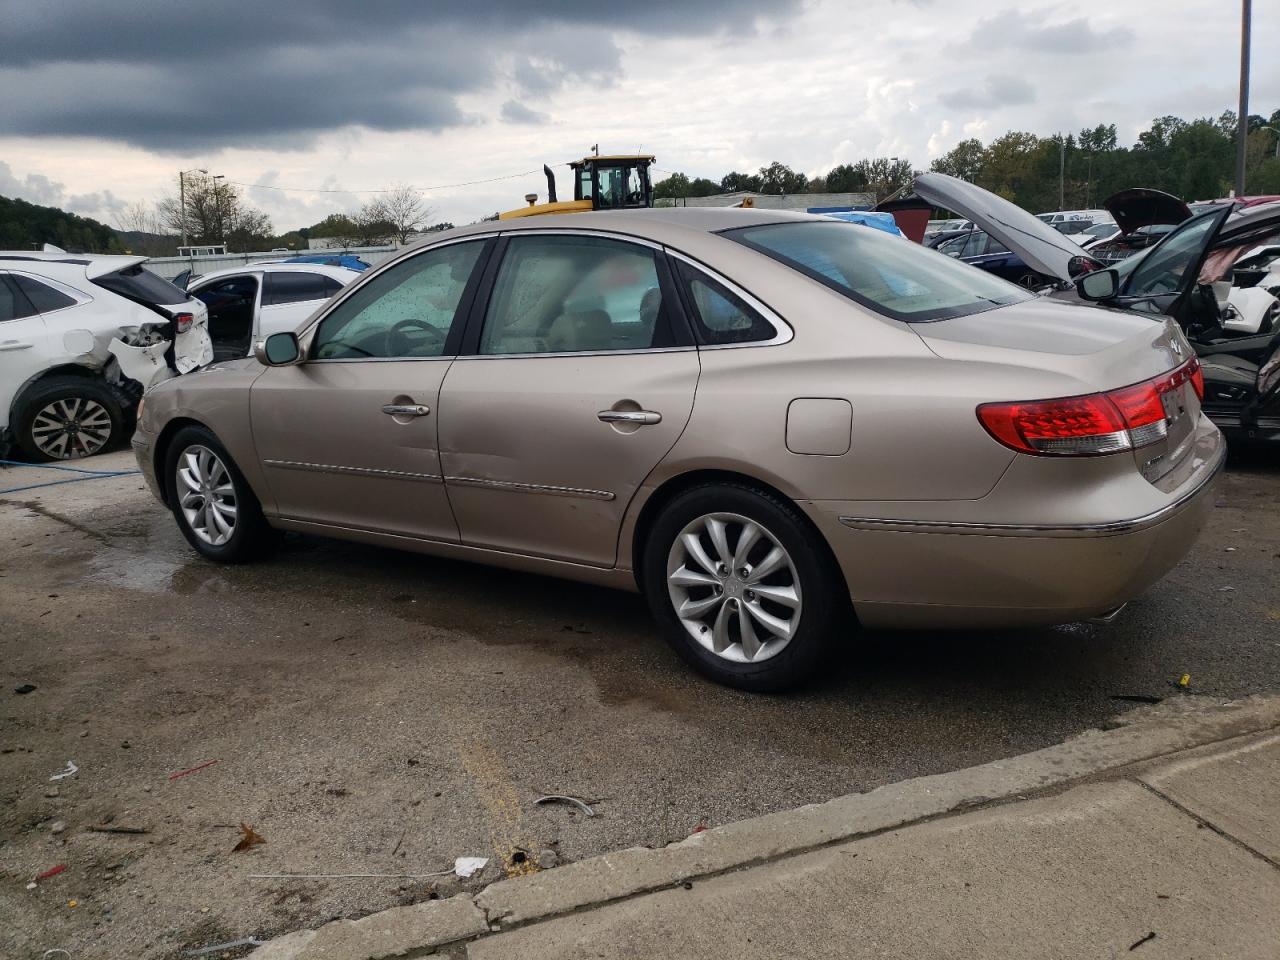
(380, 712)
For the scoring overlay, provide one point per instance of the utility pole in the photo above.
(1242, 131)
(1062, 172)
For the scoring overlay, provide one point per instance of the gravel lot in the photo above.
(378, 712)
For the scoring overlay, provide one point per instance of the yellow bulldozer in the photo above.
(617, 182)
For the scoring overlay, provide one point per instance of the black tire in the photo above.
(824, 594)
(250, 535)
(47, 400)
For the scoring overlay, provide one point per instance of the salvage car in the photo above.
(762, 420)
(81, 337)
(1189, 274)
(979, 249)
(248, 303)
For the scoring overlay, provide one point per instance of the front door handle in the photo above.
(15, 345)
(406, 409)
(644, 418)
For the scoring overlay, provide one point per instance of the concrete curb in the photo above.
(627, 873)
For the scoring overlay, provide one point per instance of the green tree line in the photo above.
(28, 226)
(1192, 159)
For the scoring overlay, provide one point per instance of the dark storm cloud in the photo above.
(194, 77)
(996, 91)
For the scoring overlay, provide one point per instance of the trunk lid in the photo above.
(1087, 350)
(1144, 207)
(1040, 246)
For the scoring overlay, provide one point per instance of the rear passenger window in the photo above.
(576, 294)
(296, 288)
(13, 305)
(42, 296)
(719, 315)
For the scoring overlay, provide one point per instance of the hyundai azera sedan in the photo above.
(776, 426)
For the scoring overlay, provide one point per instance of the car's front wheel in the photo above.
(742, 586)
(215, 508)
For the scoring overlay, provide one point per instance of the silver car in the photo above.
(775, 425)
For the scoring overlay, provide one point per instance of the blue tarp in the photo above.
(869, 218)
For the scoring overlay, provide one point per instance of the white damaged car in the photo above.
(81, 337)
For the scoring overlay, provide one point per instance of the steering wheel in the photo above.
(399, 345)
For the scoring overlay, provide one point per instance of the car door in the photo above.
(1164, 279)
(288, 298)
(347, 438)
(232, 303)
(578, 377)
(24, 349)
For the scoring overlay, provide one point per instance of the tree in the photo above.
(405, 209)
(734, 182)
(964, 161)
(138, 217)
(778, 178)
(214, 213)
(671, 188)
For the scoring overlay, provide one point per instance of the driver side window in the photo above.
(405, 312)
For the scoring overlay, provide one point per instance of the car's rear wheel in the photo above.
(66, 418)
(743, 587)
(215, 508)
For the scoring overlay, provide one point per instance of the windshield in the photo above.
(892, 276)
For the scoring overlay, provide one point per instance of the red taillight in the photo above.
(1091, 425)
(184, 321)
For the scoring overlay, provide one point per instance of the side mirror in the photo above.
(278, 350)
(1098, 285)
(1078, 265)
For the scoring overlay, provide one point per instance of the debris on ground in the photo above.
(1150, 936)
(465, 867)
(198, 766)
(50, 873)
(1184, 681)
(700, 828)
(572, 801)
(1136, 698)
(71, 771)
(548, 858)
(57, 827)
(249, 838)
(111, 828)
(229, 945)
(24, 688)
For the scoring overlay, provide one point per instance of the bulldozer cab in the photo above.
(619, 182)
(613, 183)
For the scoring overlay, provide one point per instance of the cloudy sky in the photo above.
(102, 103)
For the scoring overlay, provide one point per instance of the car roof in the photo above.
(345, 274)
(657, 224)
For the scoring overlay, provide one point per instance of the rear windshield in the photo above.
(139, 284)
(892, 276)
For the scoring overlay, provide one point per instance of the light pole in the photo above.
(1242, 131)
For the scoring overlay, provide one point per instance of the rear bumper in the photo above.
(935, 572)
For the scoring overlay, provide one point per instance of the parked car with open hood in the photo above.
(757, 418)
(81, 337)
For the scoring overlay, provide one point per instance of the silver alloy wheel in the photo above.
(206, 495)
(71, 428)
(734, 587)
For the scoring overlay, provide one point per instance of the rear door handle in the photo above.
(644, 418)
(16, 345)
(406, 409)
